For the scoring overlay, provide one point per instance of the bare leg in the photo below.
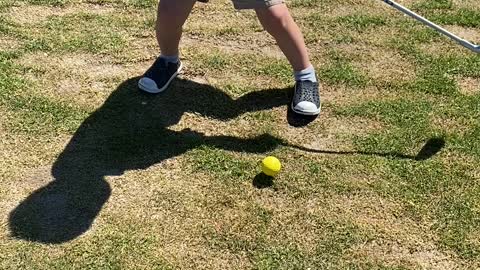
(171, 16)
(279, 23)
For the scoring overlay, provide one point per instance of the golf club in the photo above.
(461, 41)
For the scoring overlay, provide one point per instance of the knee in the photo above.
(166, 11)
(171, 14)
(274, 19)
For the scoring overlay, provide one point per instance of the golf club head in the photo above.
(472, 47)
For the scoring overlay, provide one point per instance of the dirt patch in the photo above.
(338, 133)
(38, 176)
(390, 253)
(469, 86)
(450, 124)
(87, 78)
(386, 66)
(251, 43)
(471, 34)
(168, 201)
(7, 43)
(398, 238)
(81, 65)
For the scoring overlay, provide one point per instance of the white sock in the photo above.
(307, 74)
(170, 58)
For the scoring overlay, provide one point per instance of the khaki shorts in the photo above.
(252, 4)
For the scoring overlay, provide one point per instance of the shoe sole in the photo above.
(317, 112)
(156, 90)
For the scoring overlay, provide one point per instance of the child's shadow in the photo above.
(130, 131)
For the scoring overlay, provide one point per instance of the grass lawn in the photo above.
(96, 175)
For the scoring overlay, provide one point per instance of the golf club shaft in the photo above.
(461, 41)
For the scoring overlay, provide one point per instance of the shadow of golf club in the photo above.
(430, 149)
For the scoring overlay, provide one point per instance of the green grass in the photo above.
(172, 181)
(35, 114)
(336, 238)
(80, 32)
(54, 3)
(434, 5)
(221, 164)
(341, 71)
(361, 22)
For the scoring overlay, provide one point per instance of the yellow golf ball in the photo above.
(271, 166)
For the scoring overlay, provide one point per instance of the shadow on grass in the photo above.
(129, 131)
(262, 181)
(430, 149)
(297, 120)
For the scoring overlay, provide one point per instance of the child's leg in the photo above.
(279, 23)
(171, 16)
(276, 19)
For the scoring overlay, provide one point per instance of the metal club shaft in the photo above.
(467, 44)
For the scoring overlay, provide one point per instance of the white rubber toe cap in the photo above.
(148, 85)
(307, 108)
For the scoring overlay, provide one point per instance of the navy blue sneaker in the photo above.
(159, 76)
(306, 98)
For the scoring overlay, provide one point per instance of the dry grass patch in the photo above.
(455, 157)
(341, 95)
(384, 66)
(175, 207)
(399, 240)
(27, 15)
(469, 86)
(331, 9)
(449, 124)
(338, 133)
(84, 65)
(8, 43)
(241, 127)
(446, 47)
(468, 4)
(391, 254)
(83, 78)
(141, 50)
(471, 34)
(265, 45)
(15, 187)
(21, 154)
